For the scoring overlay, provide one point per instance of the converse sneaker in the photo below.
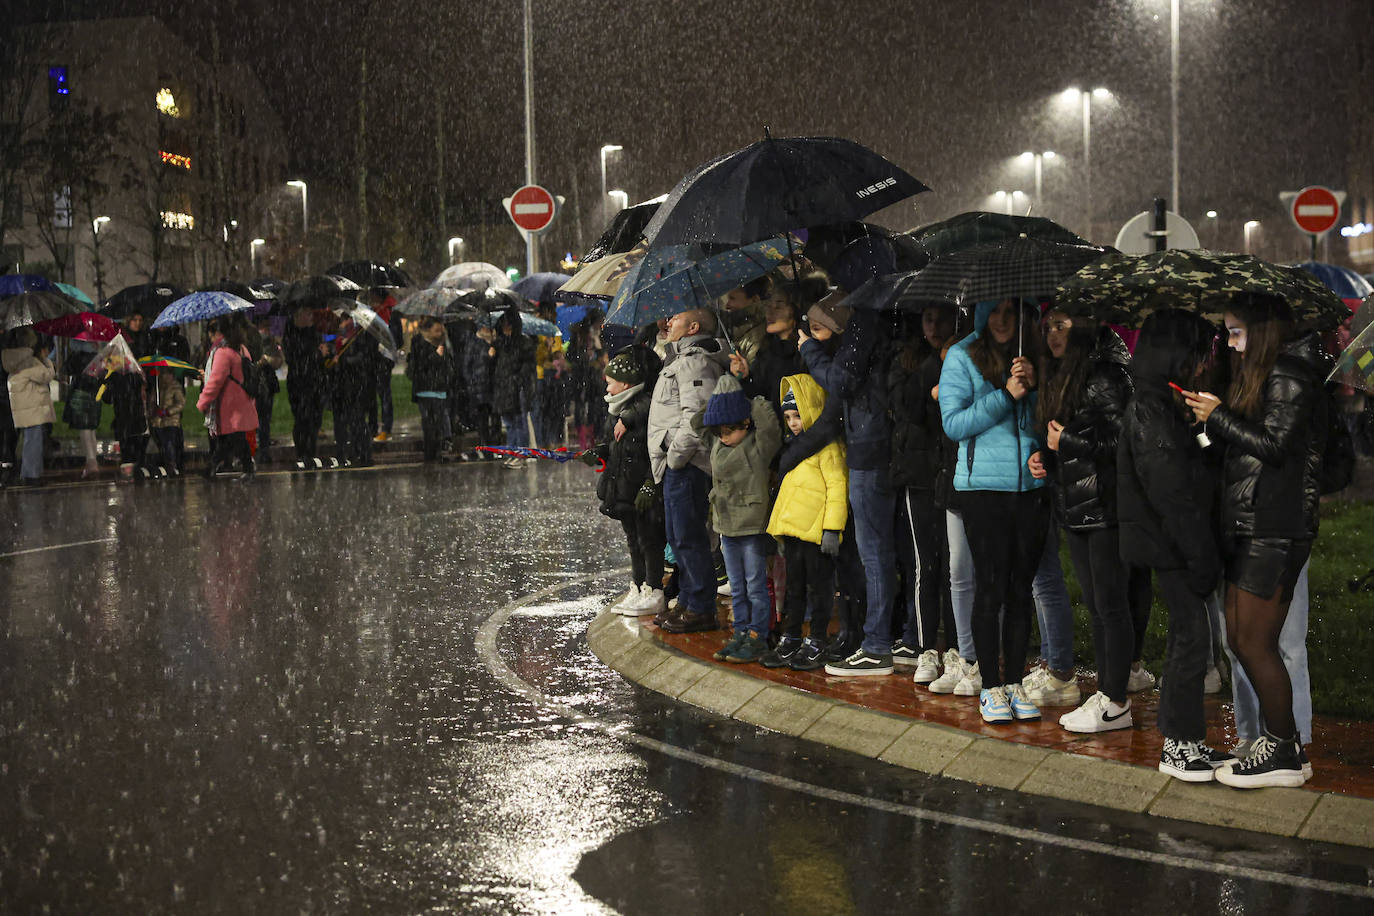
(782, 653)
(954, 673)
(1098, 714)
(628, 599)
(993, 705)
(903, 655)
(971, 684)
(1211, 682)
(1022, 709)
(808, 656)
(1139, 679)
(1271, 762)
(1044, 689)
(730, 646)
(651, 601)
(927, 667)
(1181, 760)
(861, 663)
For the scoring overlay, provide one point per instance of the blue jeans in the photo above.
(875, 510)
(31, 465)
(684, 510)
(1293, 650)
(746, 563)
(1052, 607)
(961, 584)
(517, 432)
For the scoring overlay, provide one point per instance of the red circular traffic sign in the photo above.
(532, 208)
(1316, 209)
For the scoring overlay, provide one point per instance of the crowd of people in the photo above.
(912, 478)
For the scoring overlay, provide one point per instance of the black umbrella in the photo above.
(776, 186)
(270, 285)
(148, 299)
(242, 290)
(490, 300)
(977, 227)
(316, 293)
(625, 231)
(32, 307)
(372, 275)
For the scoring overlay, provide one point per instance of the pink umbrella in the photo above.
(84, 326)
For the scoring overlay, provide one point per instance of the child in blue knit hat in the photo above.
(743, 437)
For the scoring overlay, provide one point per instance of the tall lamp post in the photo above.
(95, 250)
(253, 254)
(305, 222)
(622, 198)
(454, 244)
(1009, 199)
(608, 148)
(1250, 227)
(1173, 98)
(1038, 160)
(1086, 98)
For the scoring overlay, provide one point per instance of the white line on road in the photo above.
(487, 651)
(20, 553)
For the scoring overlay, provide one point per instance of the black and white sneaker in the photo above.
(861, 663)
(1271, 762)
(904, 655)
(1189, 761)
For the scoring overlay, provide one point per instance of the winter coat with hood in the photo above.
(304, 363)
(29, 386)
(857, 376)
(627, 458)
(512, 372)
(1082, 473)
(775, 359)
(813, 497)
(1164, 491)
(739, 473)
(236, 411)
(916, 429)
(995, 432)
(748, 330)
(689, 375)
(1272, 480)
(427, 370)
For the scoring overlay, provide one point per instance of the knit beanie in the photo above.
(789, 401)
(625, 368)
(728, 405)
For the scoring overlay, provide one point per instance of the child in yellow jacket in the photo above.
(808, 517)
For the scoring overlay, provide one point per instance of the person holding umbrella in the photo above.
(1272, 426)
(512, 381)
(304, 351)
(231, 416)
(353, 382)
(987, 405)
(30, 372)
(430, 369)
(82, 410)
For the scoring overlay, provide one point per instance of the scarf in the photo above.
(616, 402)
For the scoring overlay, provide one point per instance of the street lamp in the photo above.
(1250, 227)
(1075, 94)
(454, 243)
(253, 254)
(97, 222)
(1008, 198)
(95, 251)
(620, 196)
(1038, 160)
(608, 148)
(305, 221)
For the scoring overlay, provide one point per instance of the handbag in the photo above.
(82, 410)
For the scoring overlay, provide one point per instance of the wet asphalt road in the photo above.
(331, 693)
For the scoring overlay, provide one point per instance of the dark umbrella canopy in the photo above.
(492, 300)
(14, 284)
(371, 274)
(270, 285)
(776, 186)
(625, 231)
(148, 299)
(30, 308)
(1126, 289)
(540, 287)
(978, 227)
(317, 293)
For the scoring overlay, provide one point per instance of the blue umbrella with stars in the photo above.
(679, 287)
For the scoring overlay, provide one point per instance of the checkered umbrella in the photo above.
(1126, 289)
(1028, 268)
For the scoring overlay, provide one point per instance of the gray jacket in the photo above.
(684, 386)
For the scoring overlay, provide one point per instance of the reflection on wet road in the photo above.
(330, 694)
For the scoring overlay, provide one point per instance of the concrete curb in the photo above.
(625, 646)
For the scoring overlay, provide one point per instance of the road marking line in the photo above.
(485, 642)
(20, 553)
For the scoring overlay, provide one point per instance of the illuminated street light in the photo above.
(305, 221)
(1076, 95)
(1211, 214)
(253, 254)
(96, 223)
(621, 196)
(454, 244)
(1037, 161)
(608, 148)
(1250, 227)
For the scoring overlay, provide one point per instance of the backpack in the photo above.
(1338, 457)
(252, 383)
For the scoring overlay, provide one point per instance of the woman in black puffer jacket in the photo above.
(1082, 400)
(1273, 428)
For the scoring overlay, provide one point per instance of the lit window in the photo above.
(174, 220)
(167, 103)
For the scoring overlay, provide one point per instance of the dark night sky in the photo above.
(947, 89)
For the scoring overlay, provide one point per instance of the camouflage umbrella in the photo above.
(1126, 289)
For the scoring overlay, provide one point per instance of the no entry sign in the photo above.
(1316, 209)
(532, 208)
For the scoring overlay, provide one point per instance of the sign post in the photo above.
(532, 209)
(1315, 210)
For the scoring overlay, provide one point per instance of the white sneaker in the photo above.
(954, 673)
(1098, 714)
(723, 589)
(633, 603)
(1211, 683)
(1139, 679)
(1044, 689)
(971, 684)
(927, 667)
(651, 601)
(627, 599)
